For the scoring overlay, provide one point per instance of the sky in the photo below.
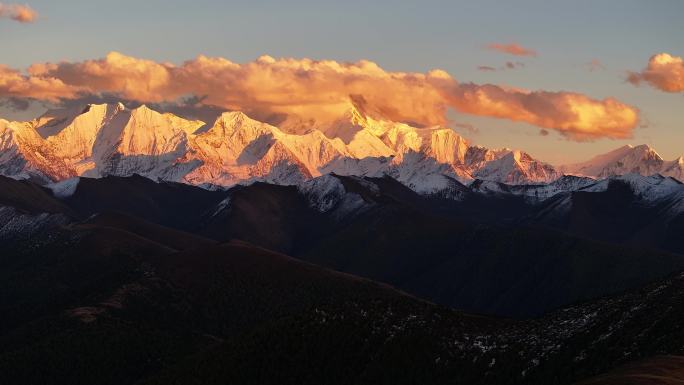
(580, 47)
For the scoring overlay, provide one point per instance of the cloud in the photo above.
(664, 72)
(512, 49)
(595, 65)
(314, 91)
(17, 12)
(509, 65)
(14, 84)
(573, 115)
(514, 65)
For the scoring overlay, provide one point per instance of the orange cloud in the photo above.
(317, 90)
(20, 13)
(306, 90)
(664, 72)
(15, 85)
(573, 115)
(512, 49)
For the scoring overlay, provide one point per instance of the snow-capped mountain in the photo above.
(517, 167)
(647, 189)
(110, 139)
(25, 155)
(642, 160)
(97, 140)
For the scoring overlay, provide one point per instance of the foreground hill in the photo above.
(95, 303)
(661, 370)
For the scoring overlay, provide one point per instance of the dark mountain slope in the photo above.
(563, 347)
(170, 204)
(178, 240)
(429, 247)
(46, 273)
(29, 197)
(272, 216)
(613, 331)
(425, 247)
(98, 305)
(484, 268)
(616, 215)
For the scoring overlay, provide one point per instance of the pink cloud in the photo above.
(17, 12)
(512, 49)
(664, 72)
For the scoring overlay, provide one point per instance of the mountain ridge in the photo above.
(641, 159)
(97, 140)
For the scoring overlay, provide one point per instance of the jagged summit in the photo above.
(83, 117)
(24, 154)
(517, 167)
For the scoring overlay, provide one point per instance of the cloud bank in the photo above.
(664, 72)
(17, 12)
(512, 49)
(316, 91)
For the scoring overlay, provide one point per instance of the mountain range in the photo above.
(110, 139)
(139, 247)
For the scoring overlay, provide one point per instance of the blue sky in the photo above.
(399, 36)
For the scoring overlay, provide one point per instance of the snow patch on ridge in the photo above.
(222, 206)
(326, 194)
(65, 188)
(649, 188)
(15, 224)
(534, 193)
